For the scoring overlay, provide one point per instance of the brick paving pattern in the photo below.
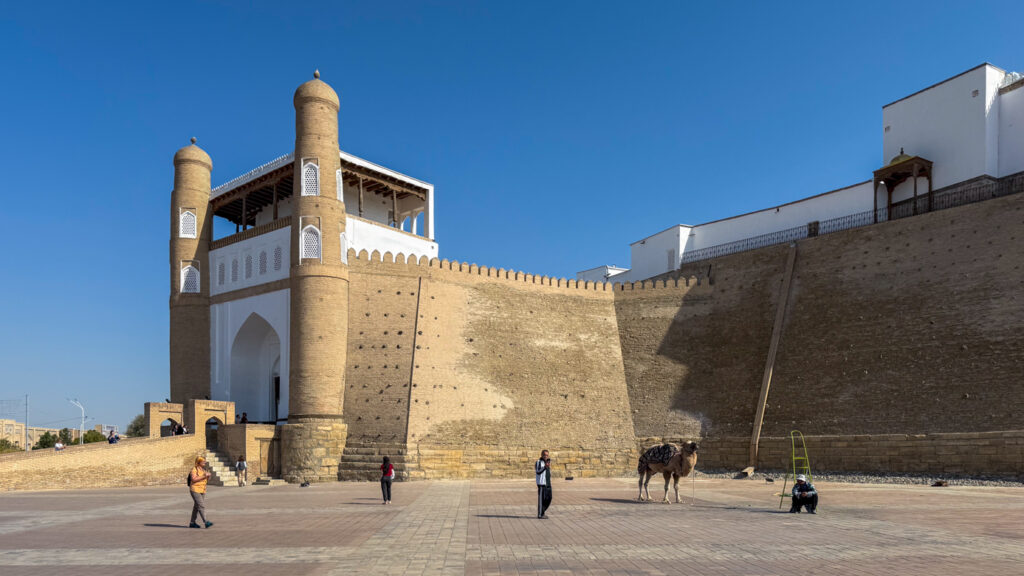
(489, 527)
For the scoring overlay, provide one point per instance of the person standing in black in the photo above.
(542, 468)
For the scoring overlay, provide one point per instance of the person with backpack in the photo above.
(241, 471)
(197, 480)
(387, 475)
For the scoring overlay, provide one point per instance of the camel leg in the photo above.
(675, 485)
(667, 475)
(647, 479)
(640, 485)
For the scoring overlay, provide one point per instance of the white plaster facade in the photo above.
(601, 274)
(249, 339)
(969, 125)
(254, 261)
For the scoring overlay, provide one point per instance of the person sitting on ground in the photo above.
(59, 446)
(113, 438)
(804, 496)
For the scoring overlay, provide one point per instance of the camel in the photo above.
(670, 461)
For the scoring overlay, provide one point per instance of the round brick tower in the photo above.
(191, 229)
(314, 438)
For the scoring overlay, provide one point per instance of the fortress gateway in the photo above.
(894, 339)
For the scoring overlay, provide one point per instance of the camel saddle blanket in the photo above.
(658, 454)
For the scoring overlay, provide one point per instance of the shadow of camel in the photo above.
(164, 526)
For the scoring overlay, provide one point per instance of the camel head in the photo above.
(690, 448)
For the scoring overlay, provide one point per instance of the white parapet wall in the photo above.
(362, 234)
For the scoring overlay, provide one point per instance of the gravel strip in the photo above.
(874, 478)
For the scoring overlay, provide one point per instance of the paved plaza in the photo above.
(489, 527)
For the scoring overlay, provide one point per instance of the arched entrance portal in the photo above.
(255, 370)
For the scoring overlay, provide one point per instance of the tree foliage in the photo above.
(47, 440)
(137, 427)
(94, 436)
(65, 437)
(8, 446)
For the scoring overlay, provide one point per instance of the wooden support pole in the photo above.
(275, 200)
(360, 196)
(930, 195)
(245, 220)
(773, 348)
(394, 208)
(915, 188)
(875, 198)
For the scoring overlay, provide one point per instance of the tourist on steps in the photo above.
(804, 495)
(197, 487)
(241, 471)
(542, 468)
(387, 475)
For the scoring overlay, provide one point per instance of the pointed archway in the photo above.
(255, 370)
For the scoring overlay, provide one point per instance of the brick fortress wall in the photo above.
(900, 350)
(474, 370)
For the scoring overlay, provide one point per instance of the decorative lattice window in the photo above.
(190, 280)
(310, 179)
(220, 274)
(278, 254)
(309, 246)
(248, 266)
(234, 270)
(187, 224)
(263, 262)
(341, 187)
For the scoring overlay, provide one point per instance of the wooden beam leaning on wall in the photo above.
(769, 365)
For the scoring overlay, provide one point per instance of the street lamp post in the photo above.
(81, 430)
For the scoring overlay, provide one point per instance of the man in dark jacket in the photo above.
(542, 468)
(804, 496)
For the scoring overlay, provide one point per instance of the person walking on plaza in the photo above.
(197, 480)
(387, 475)
(241, 471)
(542, 468)
(804, 495)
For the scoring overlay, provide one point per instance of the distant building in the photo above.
(966, 128)
(14, 431)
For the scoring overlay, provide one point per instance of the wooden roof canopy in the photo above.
(900, 169)
(256, 194)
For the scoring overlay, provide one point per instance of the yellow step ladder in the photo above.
(801, 464)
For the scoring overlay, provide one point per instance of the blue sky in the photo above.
(555, 134)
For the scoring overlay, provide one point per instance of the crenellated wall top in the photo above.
(388, 263)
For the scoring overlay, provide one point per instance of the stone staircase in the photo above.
(222, 468)
(267, 481)
(361, 461)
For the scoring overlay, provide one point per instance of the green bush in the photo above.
(137, 427)
(94, 436)
(8, 446)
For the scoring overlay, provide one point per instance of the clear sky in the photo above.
(555, 133)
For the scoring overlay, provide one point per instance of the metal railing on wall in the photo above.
(975, 192)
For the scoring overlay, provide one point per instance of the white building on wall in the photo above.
(967, 129)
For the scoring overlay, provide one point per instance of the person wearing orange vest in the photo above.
(197, 480)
